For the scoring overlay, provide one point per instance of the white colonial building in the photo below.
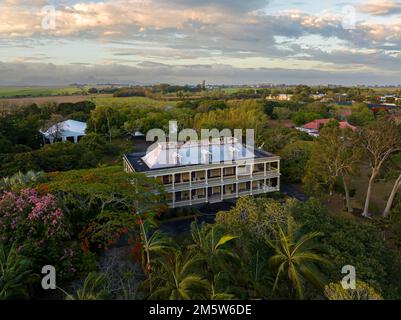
(207, 172)
(69, 130)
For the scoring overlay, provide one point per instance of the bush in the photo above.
(294, 159)
(356, 243)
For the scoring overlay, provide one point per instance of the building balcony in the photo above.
(217, 181)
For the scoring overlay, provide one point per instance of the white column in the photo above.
(75, 139)
(190, 187)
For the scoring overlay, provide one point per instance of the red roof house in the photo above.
(314, 126)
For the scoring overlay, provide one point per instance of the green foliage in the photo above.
(176, 278)
(336, 153)
(94, 288)
(5, 144)
(240, 115)
(335, 291)
(350, 242)
(294, 159)
(86, 193)
(15, 273)
(253, 216)
(302, 117)
(106, 229)
(277, 137)
(20, 180)
(361, 115)
(295, 257)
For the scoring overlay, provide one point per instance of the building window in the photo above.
(259, 167)
(198, 194)
(244, 170)
(165, 179)
(229, 189)
(214, 173)
(198, 176)
(229, 172)
(185, 177)
(273, 166)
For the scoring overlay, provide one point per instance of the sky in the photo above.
(58, 42)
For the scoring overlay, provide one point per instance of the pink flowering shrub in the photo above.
(37, 224)
(28, 216)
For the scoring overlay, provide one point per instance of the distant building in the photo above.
(280, 97)
(194, 174)
(318, 96)
(313, 127)
(69, 130)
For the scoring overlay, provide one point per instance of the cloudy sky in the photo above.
(57, 42)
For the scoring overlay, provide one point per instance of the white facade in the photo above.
(191, 180)
(69, 130)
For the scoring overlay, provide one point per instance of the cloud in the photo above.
(381, 8)
(190, 31)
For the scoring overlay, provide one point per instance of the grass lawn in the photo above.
(15, 92)
(132, 101)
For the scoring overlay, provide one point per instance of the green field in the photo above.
(21, 92)
(132, 101)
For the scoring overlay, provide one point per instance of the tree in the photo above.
(157, 243)
(295, 258)
(55, 123)
(395, 168)
(176, 278)
(336, 155)
(361, 115)
(254, 217)
(94, 288)
(295, 156)
(335, 291)
(209, 244)
(301, 117)
(380, 140)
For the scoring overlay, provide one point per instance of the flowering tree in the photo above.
(36, 224)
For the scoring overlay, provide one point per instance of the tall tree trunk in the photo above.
(365, 212)
(347, 197)
(390, 200)
(108, 126)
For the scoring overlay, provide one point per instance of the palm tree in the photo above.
(295, 258)
(175, 278)
(258, 281)
(14, 273)
(156, 244)
(210, 246)
(94, 288)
